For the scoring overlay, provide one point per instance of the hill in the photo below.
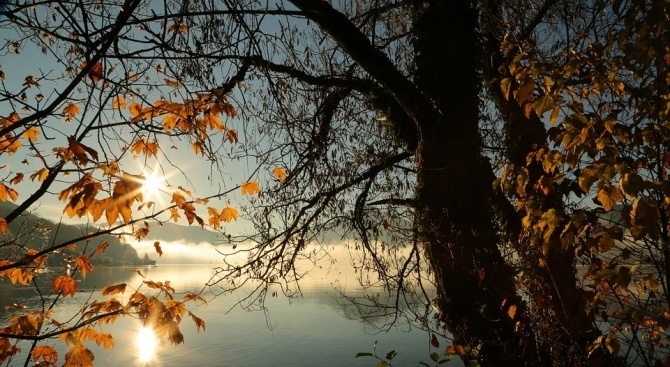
(32, 231)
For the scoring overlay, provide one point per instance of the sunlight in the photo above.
(152, 185)
(146, 344)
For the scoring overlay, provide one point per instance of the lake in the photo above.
(317, 329)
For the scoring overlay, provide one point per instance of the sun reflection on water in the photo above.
(146, 344)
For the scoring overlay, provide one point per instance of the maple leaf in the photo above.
(105, 340)
(79, 356)
(118, 103)
(20, 276)
(279, 173)
(3, 225)
(172, 83)
(157, 246)
(96, 71)
(31, 134)
(231, 135)
(250, 188)
(170, 121)
(70, 111)
(17, 179)
(80, 150)
(9, 144)
(178, 27)
(114, 289)
(47, 353)
(197, 147)
(101, 247)
(135, 109)
(83, 264)
(65, 284)
(229, 214)
(174, 215)
(7, 193)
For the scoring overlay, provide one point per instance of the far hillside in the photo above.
(32, 231)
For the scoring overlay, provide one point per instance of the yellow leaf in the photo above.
(65, 284)
(79, 356)
(170, 121)
(31, 134)
(21, 276)
(70, 111)
(198, 322)
(118, 103)
(229, 214)
(197, 147)
(279, 173)
(250, 188)
(41, 175)
(7, 193)
(105, 340)
(554, 115)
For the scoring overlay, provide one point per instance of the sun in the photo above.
(152, 186)
(146, 344)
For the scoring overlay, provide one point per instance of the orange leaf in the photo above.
(157, 246)
(229, 214)
(65, 284)
(511, 311)
(113, 289)
(231, 135)
(31, 134)
(118, 103)
(96, 71)
(21, 276)
(41, 175)
(135, 109)
(279, 173)
(46, 353)
(101, 247)
(250, 188)
(3, 225)
(79, 356)
(105, 340)
(70, 111)
(83, 264)
(7, 192)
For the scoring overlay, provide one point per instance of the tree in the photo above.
(365, 118)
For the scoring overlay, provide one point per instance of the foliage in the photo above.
(512, 158)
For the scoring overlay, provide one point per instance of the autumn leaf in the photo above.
(79, 356)
(231, 135)
(65, 284)
(96, 71)
(172, 83)
(7, 193)
(135, 109)
(118, 103)
(433, 341)
(3, 225)
(229, 214)
(650, 282)
(609, 196)
(101, 247)
(70, 111)
(114, 289)
(554, 115)
(31, 134)
(511, 311)
(83, 264)
(198, 322)
(46, 353)
(197, 147)
(20, 276)
(157, 246)
(250, 188)
(40, 175)
(80, 150)
(279, 174)
(17, 178)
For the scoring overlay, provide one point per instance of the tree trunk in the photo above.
(476, 291)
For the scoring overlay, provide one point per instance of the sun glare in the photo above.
(152, 185)
(146, 344)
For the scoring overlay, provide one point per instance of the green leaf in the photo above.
(435, 357)
(382, 364)
(364, 355)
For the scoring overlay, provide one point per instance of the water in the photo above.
(314, 330)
